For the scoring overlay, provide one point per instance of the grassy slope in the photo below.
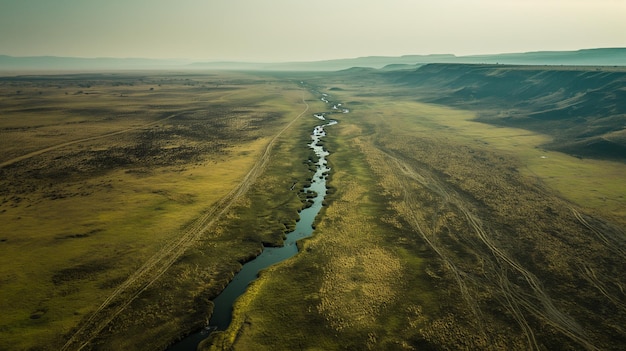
(398, 260)
(581, 108)
(578, 111)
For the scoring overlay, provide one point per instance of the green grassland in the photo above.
(444, 234)
(594, 184)
(129, 202)
(129, 163)
(582, 109)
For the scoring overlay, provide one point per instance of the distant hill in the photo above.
(31, 63)
(328, 65)
(588, 57)
(582, 108)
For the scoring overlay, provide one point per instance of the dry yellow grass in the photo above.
(477, 252)
(593, 184)
(360, 277)
(346, 281)
(71, 239)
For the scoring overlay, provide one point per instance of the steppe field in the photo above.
(114, 197)
(129, 200)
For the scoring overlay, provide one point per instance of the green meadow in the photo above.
(128, 165)
(129, 201)
(443, 233)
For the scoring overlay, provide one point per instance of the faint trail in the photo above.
(537, 302)
(158, 264)
(592, 278)
(414, 221)
(514, 308)
(58, 146)
(589, 273)
(550, 313)
(613, 246)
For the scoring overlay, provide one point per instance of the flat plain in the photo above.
(109, 181)
(445, 233)
(130, 200)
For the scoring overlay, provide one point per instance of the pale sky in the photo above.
(304, 30)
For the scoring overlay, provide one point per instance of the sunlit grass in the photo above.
(589, 183)
(395, 263)
(365, 280)
(67, 246)
(347, 285)
(129, 222)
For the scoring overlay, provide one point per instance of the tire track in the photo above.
(613, 246)
(516, 299)
(58, 146)
(590, 275)
(514, 308)
(158, 264)
(414, 221)
(550, 313)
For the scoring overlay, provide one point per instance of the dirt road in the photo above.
(58, 146)
(523, 297)
(158, 264)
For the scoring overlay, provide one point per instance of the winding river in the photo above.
(222, 313)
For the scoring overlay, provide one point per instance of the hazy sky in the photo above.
(302, 30)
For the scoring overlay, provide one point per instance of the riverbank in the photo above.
(148, 204)
(315, 193)
(436, 239)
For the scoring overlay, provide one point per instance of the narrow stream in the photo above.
(222, 313)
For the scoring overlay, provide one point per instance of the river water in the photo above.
(222, 313)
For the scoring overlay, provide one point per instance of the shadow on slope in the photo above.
(582, 108)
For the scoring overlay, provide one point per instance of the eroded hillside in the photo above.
(582, 108)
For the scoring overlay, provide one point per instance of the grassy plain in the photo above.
(593, 184)
(102, 174)
(445, 234)
(129, 202)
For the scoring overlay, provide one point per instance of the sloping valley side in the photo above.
(437, 238)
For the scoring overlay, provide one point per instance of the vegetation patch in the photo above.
(98, 189)
(483, 252)
(437, 232)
